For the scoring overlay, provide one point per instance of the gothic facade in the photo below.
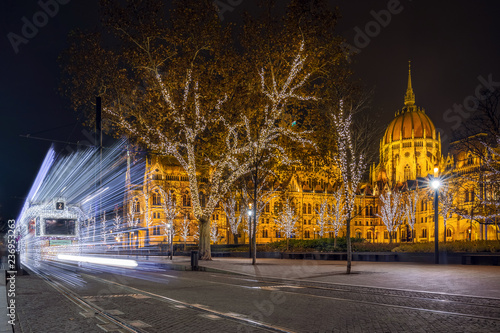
(410, 154)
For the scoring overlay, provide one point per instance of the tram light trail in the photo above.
(75, 211)
(100, 261)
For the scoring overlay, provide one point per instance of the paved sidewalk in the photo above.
(5, 327)
(470, 280)
(482, 281)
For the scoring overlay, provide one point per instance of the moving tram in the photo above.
(48, 229)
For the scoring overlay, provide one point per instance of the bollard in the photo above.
(194, 260)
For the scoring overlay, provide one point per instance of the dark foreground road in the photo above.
(91, 299)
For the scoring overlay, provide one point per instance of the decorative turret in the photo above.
(410, 96)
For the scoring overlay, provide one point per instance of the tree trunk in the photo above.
(204, 246)
(235, 238)
(335, 241)
(444, 240)
(250, 240)
(254, 215)
(349, 248)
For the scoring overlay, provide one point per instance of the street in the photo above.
(97, 299)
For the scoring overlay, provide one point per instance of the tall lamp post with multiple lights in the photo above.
(435, 184)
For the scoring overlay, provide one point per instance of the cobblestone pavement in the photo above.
(183, 301)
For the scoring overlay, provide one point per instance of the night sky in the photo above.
(450, 43)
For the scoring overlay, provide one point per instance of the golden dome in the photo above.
(411, 122)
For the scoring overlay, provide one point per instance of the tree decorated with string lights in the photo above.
(286, 221)
(214, 232)
(257, 198)
(234, 221)
(170, 209)
(131, 214)
(337, 213)
(351, 163)
(180, 87)
(391, 211)
(323, 213)
(184, 230)
(410, 210)
(446, 207)
(117, 221)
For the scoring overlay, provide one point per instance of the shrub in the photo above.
(310, 245)
(451, 247)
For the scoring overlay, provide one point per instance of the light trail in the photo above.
(126, 263)
(91, 188)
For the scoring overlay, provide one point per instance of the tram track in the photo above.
(480, 309)
(85, 303)
(88, 307)
(300, 289)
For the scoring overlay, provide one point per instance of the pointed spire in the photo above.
(410, 96)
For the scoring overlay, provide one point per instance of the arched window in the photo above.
(309, 209)
(371, 210)
(448, 232)
(202, 199)
(466, 195)
(156, 198)
(424, 233)
(186, 199)
(304, 208)
(472, 196)
(419, 170)
(470, 160)
(407, 172)
(306, 234)
(267, 207)
(369, 235)
(358, 234)
(137, 205)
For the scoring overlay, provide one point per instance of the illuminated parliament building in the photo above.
(410, 154)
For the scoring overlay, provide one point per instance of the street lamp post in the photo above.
(170, 238)
(435, 184)
(250, 238)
